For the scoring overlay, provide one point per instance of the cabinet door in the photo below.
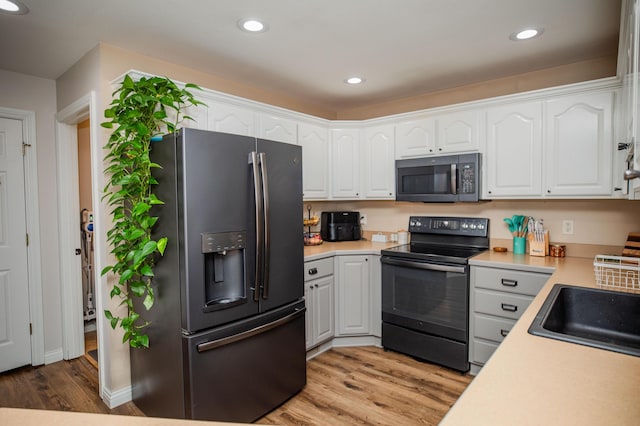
(277, 129)
(309, 303)
(375, 269)
(345, 163)
(228, 118)
(415, 138)
(324, 316)
(513, 162)
(459, 131)
(579, 145)
(379, 165)
(315, 161)
(353, 295)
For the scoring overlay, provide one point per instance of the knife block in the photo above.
(538, 248)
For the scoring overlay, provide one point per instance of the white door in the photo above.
(15, 343)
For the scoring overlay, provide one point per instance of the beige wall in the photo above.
(29, 93)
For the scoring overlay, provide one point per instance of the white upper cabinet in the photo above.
(315, 161)
(415, 138)
(579, 145)
(441, 134)
(631, 90)
(379, 165)
(277, 129)
(458, 132)
(513, 160)
(232, 119)
(345, 163)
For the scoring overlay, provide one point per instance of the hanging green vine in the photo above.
(140, 109)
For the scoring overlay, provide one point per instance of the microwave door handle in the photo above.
(454, 178)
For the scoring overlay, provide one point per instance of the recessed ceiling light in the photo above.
(13, 7)
(354, 80)
(252, 25)
(526, 34)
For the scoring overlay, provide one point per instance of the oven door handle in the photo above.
(425, 266)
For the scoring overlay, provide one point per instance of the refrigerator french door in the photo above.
(227, 334)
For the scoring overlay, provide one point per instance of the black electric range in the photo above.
(425, 289)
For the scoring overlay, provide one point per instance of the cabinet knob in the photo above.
(313, 271)
(430, 150)
(489, 192)
(548, 191)
(316, 285)
(439, 149)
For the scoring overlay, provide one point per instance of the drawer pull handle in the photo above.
(313, 271)
(508, 307)
(509, 283)
(504, 332)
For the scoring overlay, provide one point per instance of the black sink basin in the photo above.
(587, 316)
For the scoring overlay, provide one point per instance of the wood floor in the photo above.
(363, 385)
(366, 385)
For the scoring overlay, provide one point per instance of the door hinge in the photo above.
(27, 240)
(24, 148)
(30, 328)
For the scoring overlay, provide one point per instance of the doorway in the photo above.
(85, 222)
(77, 118)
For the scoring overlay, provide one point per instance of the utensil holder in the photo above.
(519, 245)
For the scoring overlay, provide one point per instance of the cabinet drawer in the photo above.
(505, 305)
(520, 282)
(318, 268)
(482, 351)
(492, 328)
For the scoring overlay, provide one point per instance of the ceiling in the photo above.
(401, 47)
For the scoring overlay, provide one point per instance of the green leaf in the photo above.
(162, 245)
(138, 288)
(146, 270)
(126, 275)
(106, 270)
(148, 301)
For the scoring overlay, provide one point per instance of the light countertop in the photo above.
(327, 249)
(535, 380)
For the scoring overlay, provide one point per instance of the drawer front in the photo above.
(505, 305)
(492, 328)
(520, 282)
(318, 268)
(482, 351)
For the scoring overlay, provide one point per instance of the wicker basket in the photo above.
(617, 272)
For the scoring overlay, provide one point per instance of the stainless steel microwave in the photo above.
(441, 179)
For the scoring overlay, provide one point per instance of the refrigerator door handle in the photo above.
(266, 230)
(207, 346)
(253, 160)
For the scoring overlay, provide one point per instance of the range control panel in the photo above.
(471, 226)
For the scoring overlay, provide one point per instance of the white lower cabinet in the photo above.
(319, 300)
(352, 295)
(498, 298)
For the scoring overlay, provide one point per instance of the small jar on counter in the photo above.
(557, 250)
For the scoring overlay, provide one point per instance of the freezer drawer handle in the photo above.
(508, 307)
(509, 283)
(207, 346)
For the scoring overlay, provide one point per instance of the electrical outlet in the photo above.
(567, 227)
(363, 219)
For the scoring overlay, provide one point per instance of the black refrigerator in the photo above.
(227, 333)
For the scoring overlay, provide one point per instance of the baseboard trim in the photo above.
(116, 398)
(53, 356)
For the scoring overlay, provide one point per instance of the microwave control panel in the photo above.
(467, 178)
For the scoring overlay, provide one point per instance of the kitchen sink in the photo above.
(602, 319)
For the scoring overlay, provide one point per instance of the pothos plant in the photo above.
(140, 110)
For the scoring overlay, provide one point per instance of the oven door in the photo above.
(426, 297)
